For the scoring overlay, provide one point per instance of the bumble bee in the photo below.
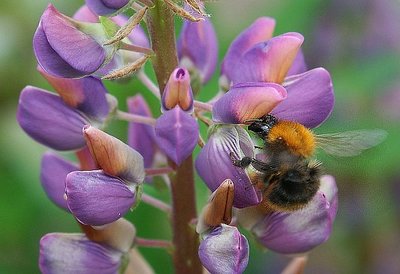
(289, 175)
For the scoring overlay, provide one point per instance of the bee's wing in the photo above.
(350, 143)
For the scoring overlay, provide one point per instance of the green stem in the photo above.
(160, 23)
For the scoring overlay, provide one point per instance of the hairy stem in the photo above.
(152, 243)
(160, 23)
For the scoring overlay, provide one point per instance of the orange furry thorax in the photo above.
(296, 137)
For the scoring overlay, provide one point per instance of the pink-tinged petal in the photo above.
(261, 30)
(87, 94)
(224, 250)
(53, 172)
(47, 119)
(268, 61)
(141, 137)
(310, 98)
(106, 7)
(74, 253)
(198, 43)
(84, 14)
(299, 65)
(114, 156)
(247, 101)
(95, 198)
(63, 50)
(177, 134)
(178, 92)
(214, 163)
(302, 230)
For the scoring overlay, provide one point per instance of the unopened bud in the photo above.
(219, 207)
(178, 91)
(115, 157)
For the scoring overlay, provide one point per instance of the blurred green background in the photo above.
(357, 41)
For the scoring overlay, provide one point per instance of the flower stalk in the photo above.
(160, 22)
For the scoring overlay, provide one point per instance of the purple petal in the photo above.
(141, 137)
(178, 91)
(214, 164)
(106, 7)
(247, 101)
(47, 119)
(298, 65)
(302, 230)
(261, 30)
(74, 253)
(198, 42)
(96, 198)
(84, 14)
(87, 94)
(224, 250)
(63, 50)
(176, 134)
(268, 61)
(310, 98)
(53, 172)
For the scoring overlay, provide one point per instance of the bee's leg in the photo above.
(243, 163)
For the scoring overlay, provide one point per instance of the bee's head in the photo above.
(263, 125)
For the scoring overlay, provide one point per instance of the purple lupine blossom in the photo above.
(87, 94)
(64, 49)
(74, 253)
(197, 44)
(47, 119)
(95, 198)
(176, 131)
(264, 74)
(214, 163)
(254, 57)
(302, 230)
(224, 250)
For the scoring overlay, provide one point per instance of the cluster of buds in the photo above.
(260, 74)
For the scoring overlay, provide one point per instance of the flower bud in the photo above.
(178, 91)
(87, 94)
(68, 48)
(74, 253)
(115, 157)
(107, 7)
(95, 198)
(177, 134)
(248, 101)
(53, 172)
(198, 44)
(218, 210)
(301, 230)
(48, 120)
(214, 163)
(224, 250)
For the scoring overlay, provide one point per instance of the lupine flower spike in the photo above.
(265, 90)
